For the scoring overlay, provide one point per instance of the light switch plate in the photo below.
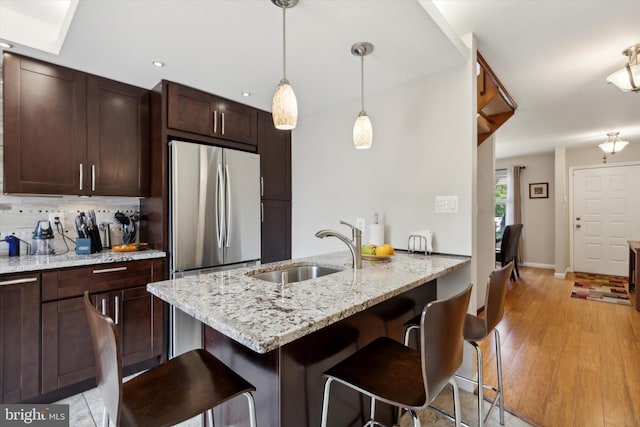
(446, 204)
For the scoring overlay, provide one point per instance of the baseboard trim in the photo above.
(538, 265)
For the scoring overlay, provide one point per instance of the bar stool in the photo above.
(477, 329)
(392, 373)
(167, 394)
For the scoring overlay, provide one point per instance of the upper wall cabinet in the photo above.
(495, 105)
(71, 133)
(198, 112)
(274, 147)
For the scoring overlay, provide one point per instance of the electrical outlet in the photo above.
(361, 224)
(52, 219)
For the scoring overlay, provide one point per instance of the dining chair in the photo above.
(508, 250)
(175, 391)
(388, 371)
(479, 328)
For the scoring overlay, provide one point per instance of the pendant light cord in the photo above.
(284, 42)
(362, 82)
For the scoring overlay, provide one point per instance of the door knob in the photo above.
(577, 218)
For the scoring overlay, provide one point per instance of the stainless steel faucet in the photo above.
(354, 245)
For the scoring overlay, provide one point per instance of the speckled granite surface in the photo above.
(23, 264)
(264, 316)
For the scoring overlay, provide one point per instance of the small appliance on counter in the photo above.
(43, 239)
(14, 245)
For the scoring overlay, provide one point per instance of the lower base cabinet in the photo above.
(19, 337)
(67, 353)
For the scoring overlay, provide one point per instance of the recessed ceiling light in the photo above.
(158, 64)
(6, 45)
(246, 93)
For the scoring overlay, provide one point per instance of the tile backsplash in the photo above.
(20, 214)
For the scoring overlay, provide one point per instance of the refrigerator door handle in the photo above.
(228, 204)
(220, 208)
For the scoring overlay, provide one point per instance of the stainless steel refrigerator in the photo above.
(214, 219)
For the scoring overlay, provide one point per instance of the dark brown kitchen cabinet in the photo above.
(117, 138)
(276, 230)
(119, 290)
(274, 147)
(72, 133)
(198, 112)
(19, 337)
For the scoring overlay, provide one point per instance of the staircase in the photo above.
(495, 105)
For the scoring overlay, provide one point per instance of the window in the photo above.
(501, 201)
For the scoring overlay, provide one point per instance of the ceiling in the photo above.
(552, 56)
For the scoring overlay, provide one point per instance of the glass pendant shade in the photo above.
(613, 144)
(362, 132)
(284, 107)
(628, 78)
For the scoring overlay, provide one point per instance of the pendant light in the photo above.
(362, 129)
(284, 107)
(628, 78)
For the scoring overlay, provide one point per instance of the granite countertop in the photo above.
(28, 263)
(264, 316)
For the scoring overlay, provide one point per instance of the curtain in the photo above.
(517, 205)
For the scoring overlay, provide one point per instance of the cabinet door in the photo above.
(274, 147)
(67, 352)
(190, 110)
(140, 321)
(237, 122)
(117, 139)
(19, 337)
(44, 127)
(276, 230)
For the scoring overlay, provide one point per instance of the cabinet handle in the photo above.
(261, 212)
(93, 177)
(261, 187)
(109, 270)
(117, 313)
(215, 121)
(104, 306)
(18, 281)
(81, 176)
(222, 115)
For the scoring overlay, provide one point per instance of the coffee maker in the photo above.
(43, 239)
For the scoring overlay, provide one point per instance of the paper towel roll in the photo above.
(376, 234)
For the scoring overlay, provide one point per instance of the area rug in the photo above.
(600, 287)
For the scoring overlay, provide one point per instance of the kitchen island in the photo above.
(282, 337)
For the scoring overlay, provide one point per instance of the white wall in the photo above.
(486, 235)
(421, 149)
(538, 215)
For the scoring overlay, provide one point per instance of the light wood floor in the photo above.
(566, 361)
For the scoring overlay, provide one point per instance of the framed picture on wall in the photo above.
(539, 190)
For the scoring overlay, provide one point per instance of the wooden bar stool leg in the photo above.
(499, 363)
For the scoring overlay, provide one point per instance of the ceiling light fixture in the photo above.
(5, 45)
(362, 129)
(246, 94)
(158, 64)
(628, 78)
(612, 145)
(284, 107)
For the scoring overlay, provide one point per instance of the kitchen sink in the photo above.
(296, 273)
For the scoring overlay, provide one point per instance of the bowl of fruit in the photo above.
(377, 252)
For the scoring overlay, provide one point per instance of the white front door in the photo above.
(606, 213)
